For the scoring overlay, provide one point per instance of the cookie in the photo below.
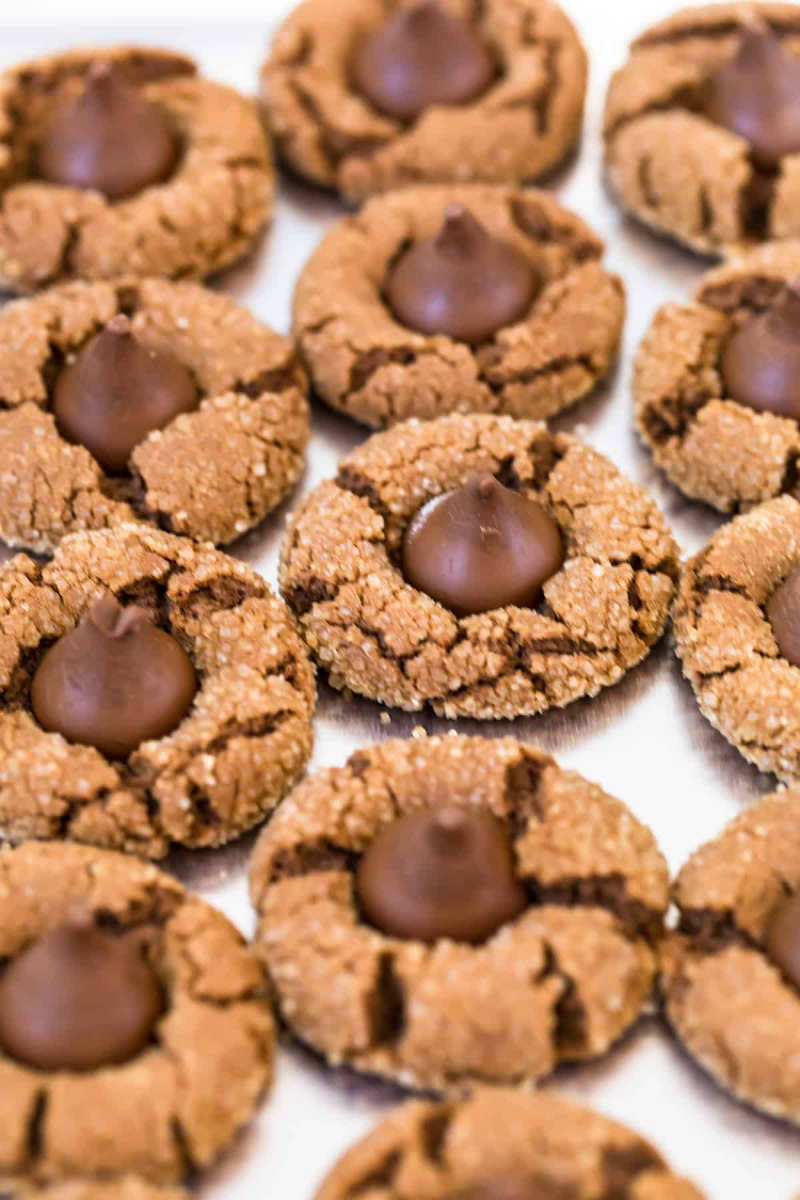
(243, 743)
(503, 1143)
(701, 414)
(728, 993)
(189, 1106)
(560, 980)
(673, 155)
(520, 124)
(127, 1188)
(378, 635)
(211, 472)
(204, 210)
(366, 361)
(732, 641)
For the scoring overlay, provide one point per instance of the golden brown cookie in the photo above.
(523, 125)
(380, 637)
(726, 998)
(205, 215)
(670, 165)
(711, 446)
(211, 474)
(365, 362)
(128, 1187)
(244, 742)
(193, 1088)
(726, 642)
(541, 1144)
(560, 982)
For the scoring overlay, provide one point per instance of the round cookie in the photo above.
(726, 637)
(673, 166)
(726, 996)
(189, 1106)
(204, 215)
(521, 126)
(712, 446)
(128, 1188)
(212, 473)
(380, 637)
(561, 981)
(367, 363)
(534, 1145)
(243, 743)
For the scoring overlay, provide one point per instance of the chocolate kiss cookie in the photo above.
(422, 55)
(760, 361)
(783, 611)
(109, 139)
(783, 938)
(463, 282)
(446, 872)
(482, 547)
(116, 392)
(757, 95)
(78, 999)
(503, 1145)
(114, 682)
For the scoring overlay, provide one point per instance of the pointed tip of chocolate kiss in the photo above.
(79, 919)
(120, 325)
(486, 486)
(115, 620)
(449, 821)
(461, 232)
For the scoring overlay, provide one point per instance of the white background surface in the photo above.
(644, 741)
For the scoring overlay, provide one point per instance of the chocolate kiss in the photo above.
(783, 611)
(760, 362)
(116, 392)
(419, 57)
(441, 873)
(783, 938)
(462, 282)
(481, 547)
(78, 999)
(757, 95)
(109, 139)
(114, 682)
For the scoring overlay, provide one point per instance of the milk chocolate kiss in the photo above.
(116, 392)
(783, 938)
(760, 362)
(420, 56)
(481, 547)
(78, 999)
(114, 682)
(462, 282)
(109, 139)
(444, 872)
(756, 94)
(783, 611)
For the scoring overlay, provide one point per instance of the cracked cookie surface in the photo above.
(210, 474)
(189, 1106)
(669, 164)
(127, 1188)
(243, 743)
(378, 636)
(205, 216)
(709, 445)
(437, 1150)
(725, 641)
(561, 982)
(726, 1000)
(524, 125)
(367, 364)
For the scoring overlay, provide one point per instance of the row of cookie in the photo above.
(529, 933)
(701, 126)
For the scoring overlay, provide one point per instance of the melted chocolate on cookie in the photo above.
(421, 56)
(110, 139)
(783, 611)
(462, 282)
(757, 95)
(482, 547)
(78, 999)
(116, 392)
(114, 681)
(445, 872)
(783, 938)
